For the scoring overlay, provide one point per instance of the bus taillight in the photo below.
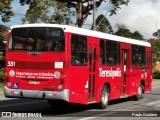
(62, 81)
(6, 76)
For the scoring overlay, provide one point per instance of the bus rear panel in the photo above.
(35, 63)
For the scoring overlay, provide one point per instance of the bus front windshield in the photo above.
(37, 39)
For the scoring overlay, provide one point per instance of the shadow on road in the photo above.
(70, 110)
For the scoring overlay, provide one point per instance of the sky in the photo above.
(139, 15)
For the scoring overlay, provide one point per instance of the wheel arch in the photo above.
(108, 85)
(100, 90)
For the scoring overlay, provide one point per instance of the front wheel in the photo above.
(140, 92)
(104, 97)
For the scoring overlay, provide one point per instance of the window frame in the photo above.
(103, 55)
(111, 51)
(138, 55)
(27, 38)
(78, 50)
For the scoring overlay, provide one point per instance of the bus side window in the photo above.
(135, 56)
(142, 56)
(112, 52)
(78, 50)
(102, 52)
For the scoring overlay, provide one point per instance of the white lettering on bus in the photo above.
(110, 73)
(11, 63)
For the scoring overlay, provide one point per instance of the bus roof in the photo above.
(87, 32)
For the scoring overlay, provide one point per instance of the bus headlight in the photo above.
(57, 75)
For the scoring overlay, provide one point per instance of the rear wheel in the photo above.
(140, 92)
(104, 97)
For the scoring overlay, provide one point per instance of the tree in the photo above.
(125, 32)
(5, 10)
(2, 29)
(6, 13)
(103, 25)
(155, 51)
(49, 12)
(157, 34)
(137, 35)
(84, 7)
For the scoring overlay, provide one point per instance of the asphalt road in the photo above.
(122, 109)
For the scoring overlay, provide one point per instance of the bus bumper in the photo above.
(17, 93)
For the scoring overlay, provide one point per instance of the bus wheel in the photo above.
(57, 103)
(104, 97)
(140, 91)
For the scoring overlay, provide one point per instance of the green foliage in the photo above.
(116, 5)
(83, 7)
(156, 75)
(2, 37)
(155, 51)
(1, 57)
(48, 12)
(1, 86)
(137, 35)
(5, 13)
(1, 76)
(2, 30)
(5, 10)
(125, 32)
(103, 24)
(157, 34)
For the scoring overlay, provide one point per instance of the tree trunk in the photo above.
(79, 13)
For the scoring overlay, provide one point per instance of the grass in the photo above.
(1, 86)
(1, 80)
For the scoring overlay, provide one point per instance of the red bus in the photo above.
(64, 63)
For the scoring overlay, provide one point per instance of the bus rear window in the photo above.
(37, 39)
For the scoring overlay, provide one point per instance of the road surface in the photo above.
(147, 108)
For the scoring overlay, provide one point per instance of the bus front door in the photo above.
(92, 73)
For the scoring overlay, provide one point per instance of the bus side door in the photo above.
(92, 72)
(125, 72)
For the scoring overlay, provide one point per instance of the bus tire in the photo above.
(140, 92)
(57, 103)
(104, 97)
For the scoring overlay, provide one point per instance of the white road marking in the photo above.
(87, 118)
(154, 103)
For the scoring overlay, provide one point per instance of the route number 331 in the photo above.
(11, 63)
